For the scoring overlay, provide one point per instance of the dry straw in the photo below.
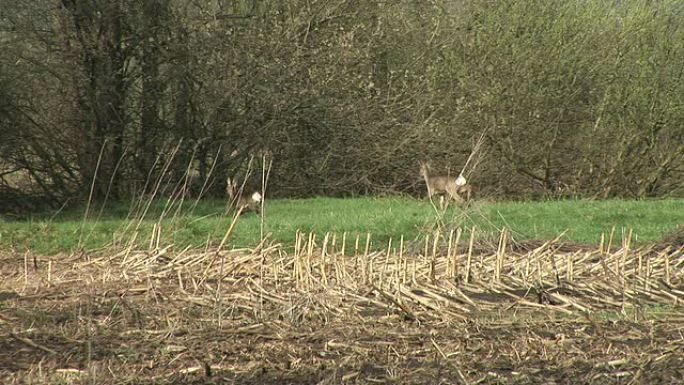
(443, 284)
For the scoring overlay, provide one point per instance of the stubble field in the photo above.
(450, 307)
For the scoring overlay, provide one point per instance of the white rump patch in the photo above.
(461, 181)
(256, 197)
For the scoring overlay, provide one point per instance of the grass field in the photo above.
(317, 313)
(384, 218)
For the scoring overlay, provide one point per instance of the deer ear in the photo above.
(461, 181)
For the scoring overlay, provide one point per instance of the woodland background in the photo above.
(575, 98)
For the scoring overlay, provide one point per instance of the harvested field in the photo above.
(315, 315)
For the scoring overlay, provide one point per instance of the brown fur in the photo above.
(250, 201)
(445, 185)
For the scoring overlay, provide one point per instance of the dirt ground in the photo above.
(79, 319)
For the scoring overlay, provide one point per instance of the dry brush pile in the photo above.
(332, 310)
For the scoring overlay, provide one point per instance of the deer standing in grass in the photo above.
(243, 202)
(455, 188)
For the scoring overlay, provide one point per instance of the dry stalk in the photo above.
(470, 253)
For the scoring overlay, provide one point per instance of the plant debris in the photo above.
(317, 315)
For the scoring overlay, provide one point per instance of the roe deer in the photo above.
(445, 184)
(246, 202)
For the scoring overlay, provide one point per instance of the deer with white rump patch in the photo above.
(243, 200)
(456, 188)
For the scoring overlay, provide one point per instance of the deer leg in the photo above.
(453, 193)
